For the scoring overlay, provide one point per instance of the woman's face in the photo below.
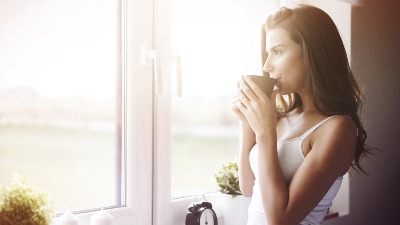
(285, 61)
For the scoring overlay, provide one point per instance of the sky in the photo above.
(59, 48)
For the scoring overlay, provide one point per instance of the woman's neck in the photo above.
(307, 105)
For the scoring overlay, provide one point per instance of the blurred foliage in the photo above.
(228, 179)
(23, 204)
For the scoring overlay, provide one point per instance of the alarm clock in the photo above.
(201, 213)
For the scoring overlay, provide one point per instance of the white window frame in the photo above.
(137, 28)
(165, 210)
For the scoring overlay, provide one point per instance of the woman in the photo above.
(297, 144)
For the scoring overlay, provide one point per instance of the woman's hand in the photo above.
(254, 106)
(235, 109)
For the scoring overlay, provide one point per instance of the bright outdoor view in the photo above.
(218, 41)
(58, 99)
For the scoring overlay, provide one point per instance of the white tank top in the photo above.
(290, 157)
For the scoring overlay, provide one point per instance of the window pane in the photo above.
(218, 42)
(58, 91)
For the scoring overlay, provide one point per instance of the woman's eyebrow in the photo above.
(275, 46)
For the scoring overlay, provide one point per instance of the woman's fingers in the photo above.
(272, 97)
(237, 102)
(238, 108)
(241, 98)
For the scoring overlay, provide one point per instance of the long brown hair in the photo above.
(329, 79)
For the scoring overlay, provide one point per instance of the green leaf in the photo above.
(227, 179)
(23, 204)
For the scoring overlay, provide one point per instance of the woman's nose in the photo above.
(267, 66)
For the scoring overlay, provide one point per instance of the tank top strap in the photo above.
(309, 131)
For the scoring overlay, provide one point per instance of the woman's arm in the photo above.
(247, 141)
(331, 155)
(246, 176)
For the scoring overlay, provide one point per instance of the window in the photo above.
(70, 92)
(195, 131)
(60, 94)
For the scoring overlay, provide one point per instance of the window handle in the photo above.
(145, 55)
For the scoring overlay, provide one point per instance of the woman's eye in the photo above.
(277, 52)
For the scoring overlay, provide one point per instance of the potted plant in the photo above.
(235, 204)
(22, 204)
(228, 179)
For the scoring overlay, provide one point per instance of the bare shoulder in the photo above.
(342, 125)
(337, 142)
(339, 129)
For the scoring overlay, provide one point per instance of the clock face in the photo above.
(207, 217)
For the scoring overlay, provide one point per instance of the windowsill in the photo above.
(329, 216)
(85, 217)
(117, 213)
(216, 200)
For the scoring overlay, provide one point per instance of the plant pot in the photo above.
(234, 210)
